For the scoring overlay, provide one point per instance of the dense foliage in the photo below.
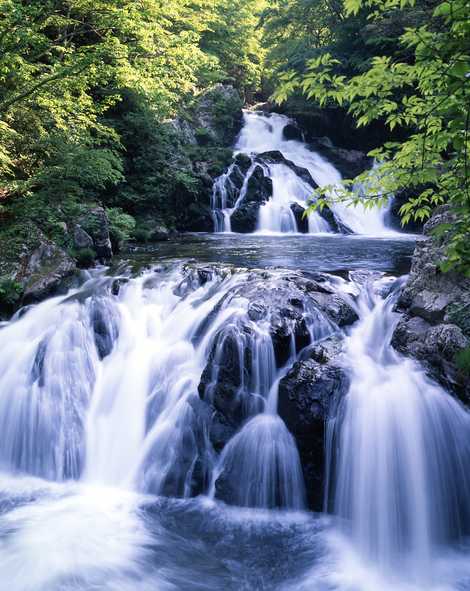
(422, 87)
(87, 84)
(90, 92)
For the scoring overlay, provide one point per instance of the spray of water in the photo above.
(399, 451)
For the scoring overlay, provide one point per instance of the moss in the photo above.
(462, 360)
(10, 296)
(459, 314)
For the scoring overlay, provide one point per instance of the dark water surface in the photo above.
(306, 252)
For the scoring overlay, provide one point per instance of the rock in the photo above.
(219, 112)
(302, 222)
(292, 307)
(336, 308)
(95, 223)
(350, 163)
(159, 232)
(394, 217)
(435, 326)
(259, 190)
(81, 239)
(105, 326)
(43, 270)
(276, 157)
(243, 161)
(198, 148)
(334, 123)
(185, 130)
(308, 396)
(335, 223)
(292, 132)
(436, 348)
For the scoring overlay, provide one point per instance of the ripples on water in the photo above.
(328, 252)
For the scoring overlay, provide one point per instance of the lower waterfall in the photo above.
(398, 451)
(108, 400)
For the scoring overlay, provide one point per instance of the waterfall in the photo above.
(398, 450)
(263, 134)
(100, 386)
(92, 383)
(260, 465)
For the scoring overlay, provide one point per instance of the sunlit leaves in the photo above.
(427, 98)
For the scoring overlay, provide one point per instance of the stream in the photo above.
(144, 440)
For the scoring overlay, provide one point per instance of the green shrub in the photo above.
(121, 227)
(84, 257)
(10, 296)
(141, 234)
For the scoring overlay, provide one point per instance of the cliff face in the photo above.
(435, 327)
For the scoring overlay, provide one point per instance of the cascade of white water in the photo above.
(102, 392)
(399, 451)
(276, 215)
(264, 133)
(260, 465)
(91, 384)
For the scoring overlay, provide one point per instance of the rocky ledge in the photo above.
(435, 326)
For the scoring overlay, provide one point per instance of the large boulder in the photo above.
(308, 396)
(290, 308)
(41, 271)
(435, 327)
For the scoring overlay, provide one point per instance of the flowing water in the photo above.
(112, 402)
(263, 134)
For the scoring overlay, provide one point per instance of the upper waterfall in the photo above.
(295, 171)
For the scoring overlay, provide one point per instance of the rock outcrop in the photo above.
(308, 396)
(41, 271)
(435, 327)
(259, 190)
(276, 157)
(349, 162)
(283, 311)
(201, 148)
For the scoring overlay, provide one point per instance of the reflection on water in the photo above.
(328, 252)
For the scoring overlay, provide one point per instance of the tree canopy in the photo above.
(83, 83)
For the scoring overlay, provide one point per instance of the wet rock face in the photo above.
(259, 190)
(308, 396)
(276, 157)
(302, 222)
(394, 217)
(435, 327)
(292, 308)
(350, 163)
(292, 132)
